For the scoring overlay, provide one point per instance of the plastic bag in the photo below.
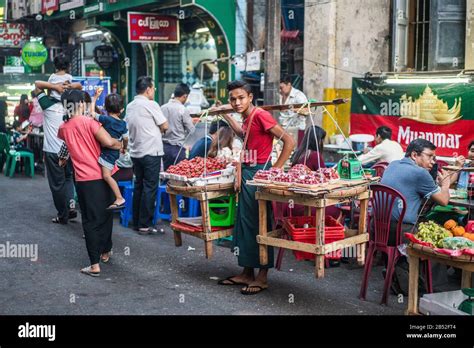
(457, 243)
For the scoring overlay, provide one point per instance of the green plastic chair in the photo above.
(13, 156)
(4, 149)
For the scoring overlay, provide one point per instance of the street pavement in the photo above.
(148, 275)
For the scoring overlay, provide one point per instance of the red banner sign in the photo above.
(450, 140)
(50, 5)
(149, 27)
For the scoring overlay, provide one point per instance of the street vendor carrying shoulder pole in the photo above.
(258, 130)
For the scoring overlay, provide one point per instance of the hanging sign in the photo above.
(442, 113)
(253, 61)
(104, 56)
(34, 54)
(150, 27)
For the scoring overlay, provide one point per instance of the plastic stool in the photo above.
(126, 213)
(192, 208)
(13, 157)
(162, 207)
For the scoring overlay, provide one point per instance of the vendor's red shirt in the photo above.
(260, 140)
(79, 135)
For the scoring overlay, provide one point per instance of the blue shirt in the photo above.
(413, 182)
(199, 148)
(463, 180)
(117, 129)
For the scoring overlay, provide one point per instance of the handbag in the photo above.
(238, 166)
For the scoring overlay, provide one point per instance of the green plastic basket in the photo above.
(222, 211)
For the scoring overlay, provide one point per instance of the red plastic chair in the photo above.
(383, 201)
(379, 168)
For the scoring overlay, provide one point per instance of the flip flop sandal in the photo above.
(232, 282)
(115, 207)
(246, 291)
(87, 270)
(57, 220)
(145, 231)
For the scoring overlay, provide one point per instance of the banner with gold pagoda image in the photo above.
(439, 112)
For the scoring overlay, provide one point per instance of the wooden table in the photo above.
(462, 203)
(417, 252)
(203, 194)
(325, 197)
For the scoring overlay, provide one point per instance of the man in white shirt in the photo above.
(180, 125)
(290, 95)
(146, 124)
(386, 149)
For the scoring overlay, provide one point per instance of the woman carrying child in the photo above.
(84, 137)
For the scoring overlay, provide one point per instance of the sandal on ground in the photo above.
(229, 282)
(115, 206)
(57, 220)
(147, 230)
(87, 270)
(247, 291)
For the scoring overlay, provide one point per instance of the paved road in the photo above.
(156, 277)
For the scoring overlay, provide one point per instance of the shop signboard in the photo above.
(150, 27)
(90, 85)
(13, 69)
(35, 6)
(34, 54)
(442, 113)
(69, 5)
(12, 34)
(50, 6)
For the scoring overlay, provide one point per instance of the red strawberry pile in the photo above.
(195, 168)
(299, 174)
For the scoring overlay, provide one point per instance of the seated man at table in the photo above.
(410, 176)
(385, 150)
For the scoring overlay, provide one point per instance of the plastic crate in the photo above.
(333, 231)
(294, 225)
(222, 211)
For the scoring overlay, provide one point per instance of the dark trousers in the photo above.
(171, 152)
(147, 175)
(97, 222)
(61, 184)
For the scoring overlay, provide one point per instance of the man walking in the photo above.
(180, 125)
(146, 124)
(60, 179)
